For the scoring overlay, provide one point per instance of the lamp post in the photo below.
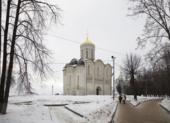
(113, 75)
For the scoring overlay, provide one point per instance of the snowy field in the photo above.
(59, 109)
(66, 109)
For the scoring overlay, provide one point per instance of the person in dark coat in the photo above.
(120, 98)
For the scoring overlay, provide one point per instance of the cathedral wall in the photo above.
(108, 80)
(80, 80)
(74, 80)
(90, 87)
(108, 90)
(64, 83)
(68, 80)
(99, 70)
(90, 77)
(99, 77)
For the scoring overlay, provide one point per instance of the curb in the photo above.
(74, 111)
(164, 108)
(113, 114)
(51, 105)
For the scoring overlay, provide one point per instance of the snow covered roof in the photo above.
(74, 62)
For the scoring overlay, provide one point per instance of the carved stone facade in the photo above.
(87, 76)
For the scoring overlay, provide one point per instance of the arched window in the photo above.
(98, 91)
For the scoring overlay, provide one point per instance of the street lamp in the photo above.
(113, 75)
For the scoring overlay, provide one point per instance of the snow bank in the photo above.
(166, 104)
(140, 99)
(98, 111)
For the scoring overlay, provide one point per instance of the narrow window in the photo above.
(97, 71)
(87, 53)
(70, 81)
(106, 74)
(88, 70)
(77, 82)
(92, 54)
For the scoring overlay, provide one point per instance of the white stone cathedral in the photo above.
(87, 76)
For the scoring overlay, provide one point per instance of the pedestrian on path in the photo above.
(120, 98)
(124, 99)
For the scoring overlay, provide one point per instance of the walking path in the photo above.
(147, 112)
(62, 115)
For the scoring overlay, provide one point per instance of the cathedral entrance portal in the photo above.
(98, 91)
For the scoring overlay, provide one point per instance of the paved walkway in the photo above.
(148, 112)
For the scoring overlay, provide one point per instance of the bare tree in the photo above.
(157, 26)
(131, 68)
(0, 44)
(4, 61)
(1, 91)
(27, 19)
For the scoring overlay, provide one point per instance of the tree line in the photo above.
(150, 80)
(153, 76)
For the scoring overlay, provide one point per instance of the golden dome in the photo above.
(87, 41)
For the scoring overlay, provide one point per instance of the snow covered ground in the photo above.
(96, 112)
(140, 99)
(166, 103)
(66, 109)
(32, 109)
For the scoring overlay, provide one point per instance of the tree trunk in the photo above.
(10, 66)
(4, 64)
(0, 32)
(0, 48)
(0, 55)
(132, 82)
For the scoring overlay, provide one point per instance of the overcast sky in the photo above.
(107, 24)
